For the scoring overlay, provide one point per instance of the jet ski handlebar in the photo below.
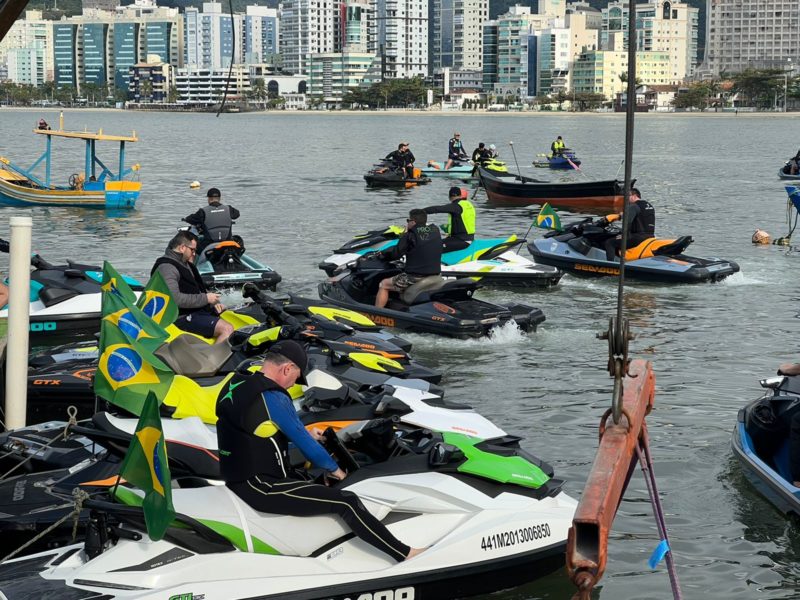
(38, 262)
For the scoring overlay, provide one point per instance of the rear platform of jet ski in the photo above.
(226, 264)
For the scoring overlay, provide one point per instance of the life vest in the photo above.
(190, 281)
(424, 256)
(249, 445)
(557, 145)
(217, 223)
(464, 225)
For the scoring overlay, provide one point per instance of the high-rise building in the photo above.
(260, 34)
(402, 37)
(308, 27)
(661, 26)
(359, 26)
(330, 76)
(456, 32)
(211, 38)
(27, 50)
(598, 71)
(751, 33)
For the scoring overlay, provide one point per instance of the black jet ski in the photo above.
(579, 249)
(385, 174)
(433, 305)
(65, 300)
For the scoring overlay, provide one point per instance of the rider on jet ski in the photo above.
(461, 227)
(198, 308)
(455, 151)
(257, 421)
(421, 244)
(402, 160)
(215, 221)
(642, 225)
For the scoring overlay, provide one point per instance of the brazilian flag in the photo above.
(137, 326)
(145, 466)
(124, 377)
(115, 283)
(156, 301)
(547, 218)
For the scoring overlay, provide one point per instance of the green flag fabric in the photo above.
(547, 218)
(157, 303)
(124, 377)
(115, 283)
(140, 329)
(145, 466)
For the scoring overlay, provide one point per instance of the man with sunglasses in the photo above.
(256, 423)
(198, 308)
(421, 244)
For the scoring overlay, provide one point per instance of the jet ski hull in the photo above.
(377, 180)
(655, 269)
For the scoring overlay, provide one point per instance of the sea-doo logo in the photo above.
(19, 491)
(85, 374)
(339, 551)
(360, 345)
(593, 269)
(406, 593)
(187, 596)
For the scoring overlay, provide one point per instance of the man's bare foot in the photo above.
(796, 484)
(414, 551)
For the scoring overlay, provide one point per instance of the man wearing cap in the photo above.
(403, 160)
(257, 422)
(641, 226)
(215, 221)
(460, 229)
(455, 151)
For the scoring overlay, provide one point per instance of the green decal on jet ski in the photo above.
(396, 229)
(262, 337)
(333, 314)
(505, 469)
(375, 362)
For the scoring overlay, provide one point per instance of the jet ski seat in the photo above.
(224, 512)
(426, 284)
(191, 356)
(655, 246)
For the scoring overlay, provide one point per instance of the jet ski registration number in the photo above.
(496, 541)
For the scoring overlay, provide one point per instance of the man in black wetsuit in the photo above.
(215, 221)
(481, 154)
(421, 244)
(461, 227)
(642, 225)
(198, 308)
(256, 423)
(402, 160)
(455, 151)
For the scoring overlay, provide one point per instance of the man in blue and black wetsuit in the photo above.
(256, 423)
(455, 151)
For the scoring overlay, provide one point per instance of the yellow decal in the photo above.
(594, 269)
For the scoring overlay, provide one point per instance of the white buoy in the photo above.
(19, 275)
(194, 185)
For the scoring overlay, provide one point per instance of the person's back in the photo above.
(460, 228)
(643, 221)
(215, 221)
(424, 255)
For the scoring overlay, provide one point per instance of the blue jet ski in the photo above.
(580, 250)
(492, 261)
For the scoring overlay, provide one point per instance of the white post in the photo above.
(19, 274)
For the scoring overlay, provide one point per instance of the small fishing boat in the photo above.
(785, 172)
(760, 441)
(96, 187)
(567, 160)
(516, 190)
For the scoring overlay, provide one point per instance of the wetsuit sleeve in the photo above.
(397, 251)
(411, 158)
(235, 214)
(451, 208)
(633, 212)
(171, 276)
(4, 246)
(282, 413)
(197, 218)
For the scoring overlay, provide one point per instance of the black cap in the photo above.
(455, 191)
(295, 353)
(213, 193)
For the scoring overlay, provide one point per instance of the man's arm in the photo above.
(197, 218)
(451, 208)
(234, 213)
(282, 413)
(171, 276)
(410, 158)
(398, 250)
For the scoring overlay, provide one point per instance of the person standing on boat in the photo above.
(642, 225)
(421, 244)
(198, 308)
(215, 221)
(460, 229)
(256, 423)
(455, 151)
(402, 160)
(557, 147)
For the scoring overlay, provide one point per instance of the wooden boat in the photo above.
(96, 187)
(514, 190)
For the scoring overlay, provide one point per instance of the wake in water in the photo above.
(507, 335)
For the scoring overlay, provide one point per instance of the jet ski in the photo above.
(458, 170)
(385, 174)
(492, 261)
(432, 305)
(567, 160)
(490, 515)
(579, 250)
(36, 499)
(65, 300)
(760, 441)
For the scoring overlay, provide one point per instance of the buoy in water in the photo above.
(761, 237)
(194, 185)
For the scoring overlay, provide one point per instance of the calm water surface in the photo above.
(297, 180)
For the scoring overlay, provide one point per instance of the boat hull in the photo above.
(110, 195)
(595, 196)
(788, 176)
